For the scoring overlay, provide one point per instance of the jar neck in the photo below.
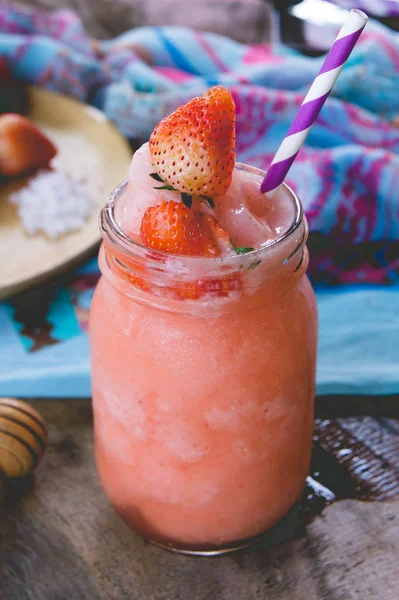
(198, 285)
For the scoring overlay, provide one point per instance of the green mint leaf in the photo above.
(209, 200)
(186, 199)
(156, 177)
(254, 264)
(243, 250)
(165, 187)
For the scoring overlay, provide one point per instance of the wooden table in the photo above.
(60, 540)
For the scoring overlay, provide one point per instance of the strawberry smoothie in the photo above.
(203, 340)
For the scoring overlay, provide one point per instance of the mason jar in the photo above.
(203, 376)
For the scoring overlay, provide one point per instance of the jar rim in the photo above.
(110, 230)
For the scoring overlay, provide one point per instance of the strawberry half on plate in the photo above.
(23, 148)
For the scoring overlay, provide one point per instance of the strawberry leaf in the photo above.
(186, 199)
(254, 264)
(243, 250)
(209, 200)
(165, 187)
(156, 177)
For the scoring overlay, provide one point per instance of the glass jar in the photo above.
(203, 374)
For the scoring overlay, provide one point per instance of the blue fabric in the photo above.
(358, 349)
(347, 176)
(358, 340)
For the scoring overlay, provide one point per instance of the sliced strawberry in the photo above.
(172, 227)
(128, 269)
(23, 147)
(217, 286)
(193, 148)
(221, 286)
(136, 275)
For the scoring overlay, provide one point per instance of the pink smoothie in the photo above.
(242, 211)
(203, 405)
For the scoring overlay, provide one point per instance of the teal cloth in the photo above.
(358, 340)
(358, 347)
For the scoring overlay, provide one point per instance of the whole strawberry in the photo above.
(23, 147)
(192, 149)
(172, 227)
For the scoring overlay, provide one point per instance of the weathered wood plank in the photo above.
(60, 540)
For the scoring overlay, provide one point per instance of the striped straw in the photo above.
(314, 100)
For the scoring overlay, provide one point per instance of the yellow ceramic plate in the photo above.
(89, 147)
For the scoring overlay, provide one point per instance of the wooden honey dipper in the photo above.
(23, 438)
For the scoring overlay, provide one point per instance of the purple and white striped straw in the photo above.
(314, 100)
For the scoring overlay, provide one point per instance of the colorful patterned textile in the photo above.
(347, 175)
